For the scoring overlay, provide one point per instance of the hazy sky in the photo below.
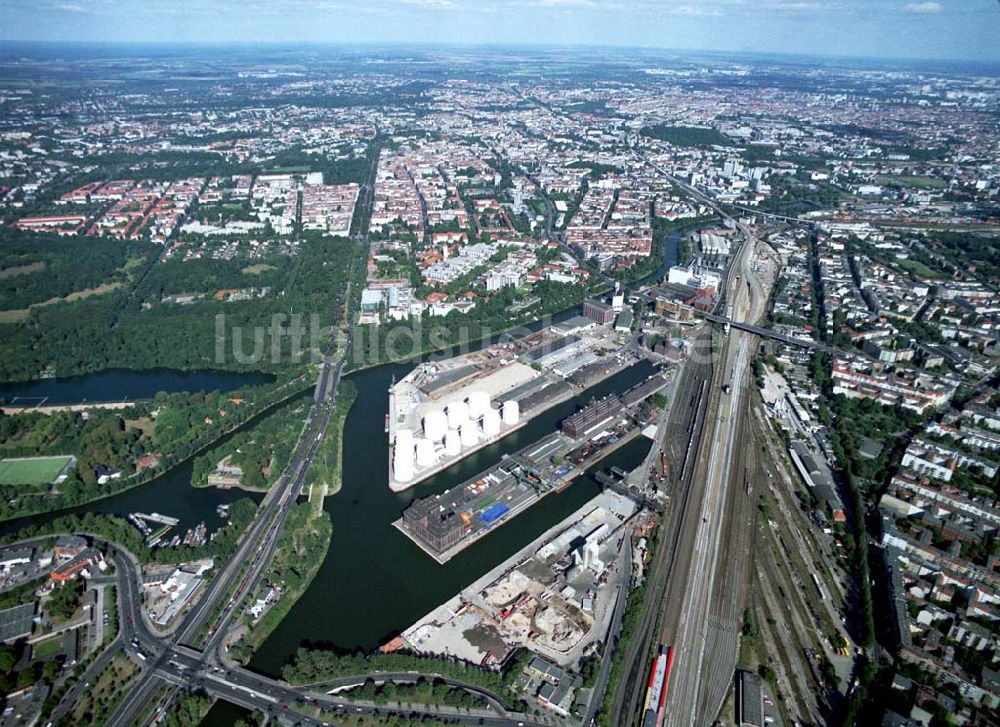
(955, 29)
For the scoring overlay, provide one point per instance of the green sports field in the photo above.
(31, 470)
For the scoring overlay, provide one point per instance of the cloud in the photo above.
(431, 4)
(690, 10)
(926, 8)
(792, 6)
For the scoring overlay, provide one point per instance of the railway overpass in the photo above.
(768, 333)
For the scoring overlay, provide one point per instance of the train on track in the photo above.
(656, 690)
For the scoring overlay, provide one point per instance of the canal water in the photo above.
(375, 581)
(227, 714)
(671, 254)
(127, 385)
(170, 493)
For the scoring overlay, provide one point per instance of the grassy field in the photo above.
(918, 181)
(31, 470)
(20, 314)
(257, 269)
(47, 648)
(14, 316)
(21, 270)
(919, 269)
(82, 294)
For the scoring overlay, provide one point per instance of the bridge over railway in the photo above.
(769, 333)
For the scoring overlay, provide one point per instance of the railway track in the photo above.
(683, 436)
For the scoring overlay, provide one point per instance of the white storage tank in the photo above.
(511, 413)
(479, 402)
(491, 422)
(458, 414)
(404, 440)
(435, 425)
(402, 463)
(470, 436)
(452, 443)
(426, 456)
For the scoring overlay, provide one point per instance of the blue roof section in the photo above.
(493, 512)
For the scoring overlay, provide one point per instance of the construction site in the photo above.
(555, 596)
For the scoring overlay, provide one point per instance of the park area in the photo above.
(34, 470)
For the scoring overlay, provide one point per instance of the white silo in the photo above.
(435, 425)
(491, 422)
(458, 414)
(452, 443)
(470, 437)
(404, 440)
(479, 402)
(426, 456)
(402, 464)
(511, 413)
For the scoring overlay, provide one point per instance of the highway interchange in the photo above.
(193, 654)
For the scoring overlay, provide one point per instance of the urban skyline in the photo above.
(517, 386)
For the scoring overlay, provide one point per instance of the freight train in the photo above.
(656, 690)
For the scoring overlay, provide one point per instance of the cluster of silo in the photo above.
(455, 428)
(422, 450)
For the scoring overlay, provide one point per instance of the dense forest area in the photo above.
(135, 330)
(262, 450)
(39, 267)
(698, 137)
(793, 196)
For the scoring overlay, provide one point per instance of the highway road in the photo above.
(204, 626)
(253, 553)
(192, 655)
